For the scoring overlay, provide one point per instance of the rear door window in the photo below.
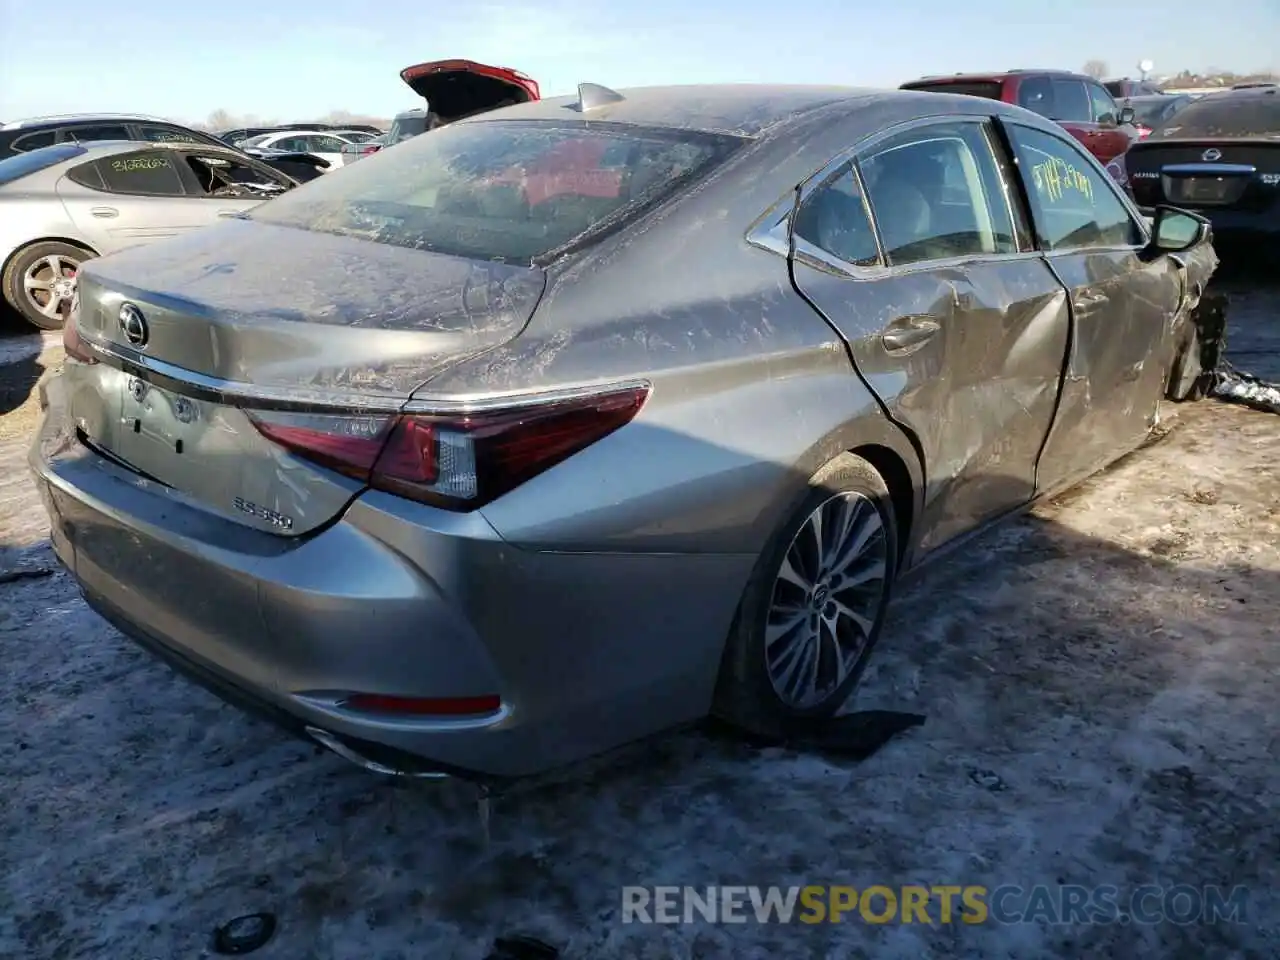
(1104, 107)
(86, 133)
(33, 141)
(1036, 94)
(148, 173)
(158, 134)
(937, 193)
(1071, 102)
(834, 219)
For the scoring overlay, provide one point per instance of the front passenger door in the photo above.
(1122, 305)
(957, 328)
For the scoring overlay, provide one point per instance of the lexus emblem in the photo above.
(1212, 154)
(133, 325)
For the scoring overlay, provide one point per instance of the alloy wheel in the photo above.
(826, 598)
(50, 284)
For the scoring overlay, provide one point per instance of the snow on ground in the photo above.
(1100, 680)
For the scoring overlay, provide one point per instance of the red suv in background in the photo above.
(1079, 103)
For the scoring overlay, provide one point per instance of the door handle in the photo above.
(104, 213)
(908, 334)
(229, 213)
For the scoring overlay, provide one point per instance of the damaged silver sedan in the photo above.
(585, 418)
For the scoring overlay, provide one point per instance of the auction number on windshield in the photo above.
(1055, 179)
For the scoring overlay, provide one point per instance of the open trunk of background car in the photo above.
(455, 89)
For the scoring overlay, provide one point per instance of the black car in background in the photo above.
(19, 136)
(1151, 112)
(1220, 157)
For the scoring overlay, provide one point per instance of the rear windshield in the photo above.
(25, 164)
(508, 191)
(1226, 115)
(980, 88)
(1149, 113)
(402, 128)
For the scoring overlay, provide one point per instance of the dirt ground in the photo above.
(1100, 680)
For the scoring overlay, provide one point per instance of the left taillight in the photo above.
(457, 462)
(72, 345)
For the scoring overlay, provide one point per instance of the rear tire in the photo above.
(811, 613)
(35, 282)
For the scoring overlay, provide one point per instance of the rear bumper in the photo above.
(587, 651)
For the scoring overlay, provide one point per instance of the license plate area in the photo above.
(157, 423)
(1203, 190)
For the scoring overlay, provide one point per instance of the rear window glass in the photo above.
(987, 89)
(505, 191)
(402, 128)
(1226, 115)
(25, 164)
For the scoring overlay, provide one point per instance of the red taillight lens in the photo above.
(456, 462)
(424, 706)
(347, 445)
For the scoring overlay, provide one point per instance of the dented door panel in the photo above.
(979, 394)
(1124, 316)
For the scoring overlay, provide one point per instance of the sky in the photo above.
(286, 60)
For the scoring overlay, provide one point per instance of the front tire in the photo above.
(814, 607)
(39, 282)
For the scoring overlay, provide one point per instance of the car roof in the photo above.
(997, 75)
(35, 123)
(744, 110)
(95, 149)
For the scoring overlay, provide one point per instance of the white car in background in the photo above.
(319, 143)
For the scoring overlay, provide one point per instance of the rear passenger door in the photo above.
(127, 199)
(1122, 304)
(957, 325)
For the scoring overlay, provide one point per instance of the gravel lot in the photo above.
(1100, 681)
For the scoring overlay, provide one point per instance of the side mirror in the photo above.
(1127, 116)
(1174, 230)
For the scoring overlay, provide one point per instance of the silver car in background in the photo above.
(63, 204)
(577, 420)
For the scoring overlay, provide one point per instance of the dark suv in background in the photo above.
(19, 136)
(1079, 103)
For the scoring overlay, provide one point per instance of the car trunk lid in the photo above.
(214, 330)
(1205, 173)
(455, 89)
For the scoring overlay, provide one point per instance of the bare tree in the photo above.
(220, 120)
(1097, 69)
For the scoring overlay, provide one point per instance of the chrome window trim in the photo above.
(769, 231)
(233, 393)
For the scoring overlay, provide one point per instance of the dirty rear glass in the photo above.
(969, 88)
(1250, 115)
(505, 191)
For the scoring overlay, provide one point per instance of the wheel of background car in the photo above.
(814, 605)
(39, 282)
